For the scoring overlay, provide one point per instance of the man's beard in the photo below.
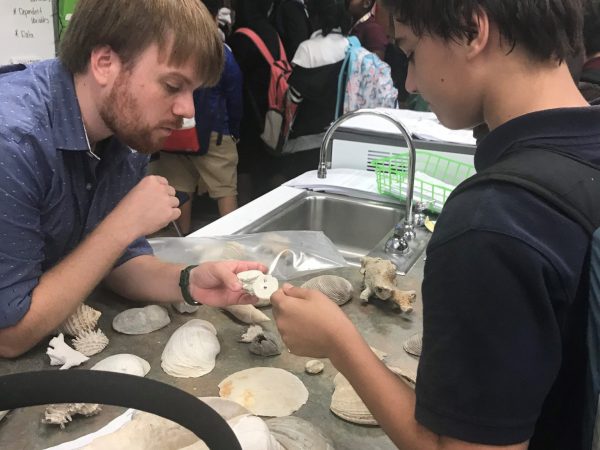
(122, 115)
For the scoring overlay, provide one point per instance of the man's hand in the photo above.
(310, 323)
(147, 208)
(216, 283)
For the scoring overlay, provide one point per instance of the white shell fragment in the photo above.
(314, 366)
(295, 433)
(191, 350)
(185, 308)
(62, 414)
(251, 333)
(124, 363)
(336, 288)
(247, 313)
(83, 319)
(346, 404)
(141, 320)
(256, 283)
(265, 391)
(90, 342)
(414, 345)
(62, 355)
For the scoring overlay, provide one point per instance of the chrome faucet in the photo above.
(403, 231)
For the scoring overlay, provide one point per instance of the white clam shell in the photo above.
(191, 350)
(83, 319)
(90, 342)
(295, 433)
(265, 391)
(336, 288)
(414, 345)
(124, 363)
(141, 320)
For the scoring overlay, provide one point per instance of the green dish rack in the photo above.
(436, 176)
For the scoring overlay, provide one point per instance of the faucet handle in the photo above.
(397, 244)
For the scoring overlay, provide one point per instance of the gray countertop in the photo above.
(383, 327)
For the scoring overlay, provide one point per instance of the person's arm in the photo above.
(56, 293)
(333, 336)
(147, 278)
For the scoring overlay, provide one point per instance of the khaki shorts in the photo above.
(215, 172)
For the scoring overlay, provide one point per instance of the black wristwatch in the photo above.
(184, 284)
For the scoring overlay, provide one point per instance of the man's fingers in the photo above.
(161, 180)
(295, 291)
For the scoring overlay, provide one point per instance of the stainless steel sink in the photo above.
(355, 226)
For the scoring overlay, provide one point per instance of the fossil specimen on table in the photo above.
(265, 344)
(247, 313)
(379, 279)
(61, 354)
(141, 320)
(185, 308)
(191, 350)
(295, 433)
(414, 345)
(61, 414)
(124, 363)
(83, 319)
(251, 333)
(256, 283)
(336, 288)
(90, 342)
(314, 366)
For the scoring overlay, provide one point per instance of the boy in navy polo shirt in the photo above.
(505, 291)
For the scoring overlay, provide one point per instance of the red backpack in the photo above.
(281, 109)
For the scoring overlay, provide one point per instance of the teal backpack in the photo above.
(571, 186)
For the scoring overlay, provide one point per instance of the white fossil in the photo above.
(247, 313)
(191, 350)
(83, 319)
(62, 414)
(124, 363)
(141, 320)
(379, 279)
(62, 355)
(295, 433)
(256, 283)
(265, 391)
(90, 343)
(336, 288)
(185, 308)
(251, 333)
(314, 366)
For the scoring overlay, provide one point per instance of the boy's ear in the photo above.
(104, 64)
(480, 39)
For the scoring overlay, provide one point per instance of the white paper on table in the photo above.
(111, 427)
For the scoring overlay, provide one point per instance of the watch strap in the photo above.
(184, 284)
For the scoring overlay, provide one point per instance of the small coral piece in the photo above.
(61, 414)
(60, 353)
(379, 279)
(90, 342)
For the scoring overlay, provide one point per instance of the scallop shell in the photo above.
(414, 345)
(295, 433)
(124, 363)
(90, 342)
(141, 320)
(336, 288)
(346, 404)
(83, 319)
(314, 366)
(61, 414)
(191, 350)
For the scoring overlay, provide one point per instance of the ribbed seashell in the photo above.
(295, 433)
(82, 320)
(191, 350)
(141, 320)
(346, 404)
(124, 363)
(336, 288)
(90, 342)
(414, 345)
(62, 414)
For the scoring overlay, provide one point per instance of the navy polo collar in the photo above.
(547, 127)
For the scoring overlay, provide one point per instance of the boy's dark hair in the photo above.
(213, 6)
(332, 14)
(591, 28)
(546, 30)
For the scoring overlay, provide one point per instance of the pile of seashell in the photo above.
(81, 325)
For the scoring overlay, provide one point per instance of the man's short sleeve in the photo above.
(138, 247)
(491, 345)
